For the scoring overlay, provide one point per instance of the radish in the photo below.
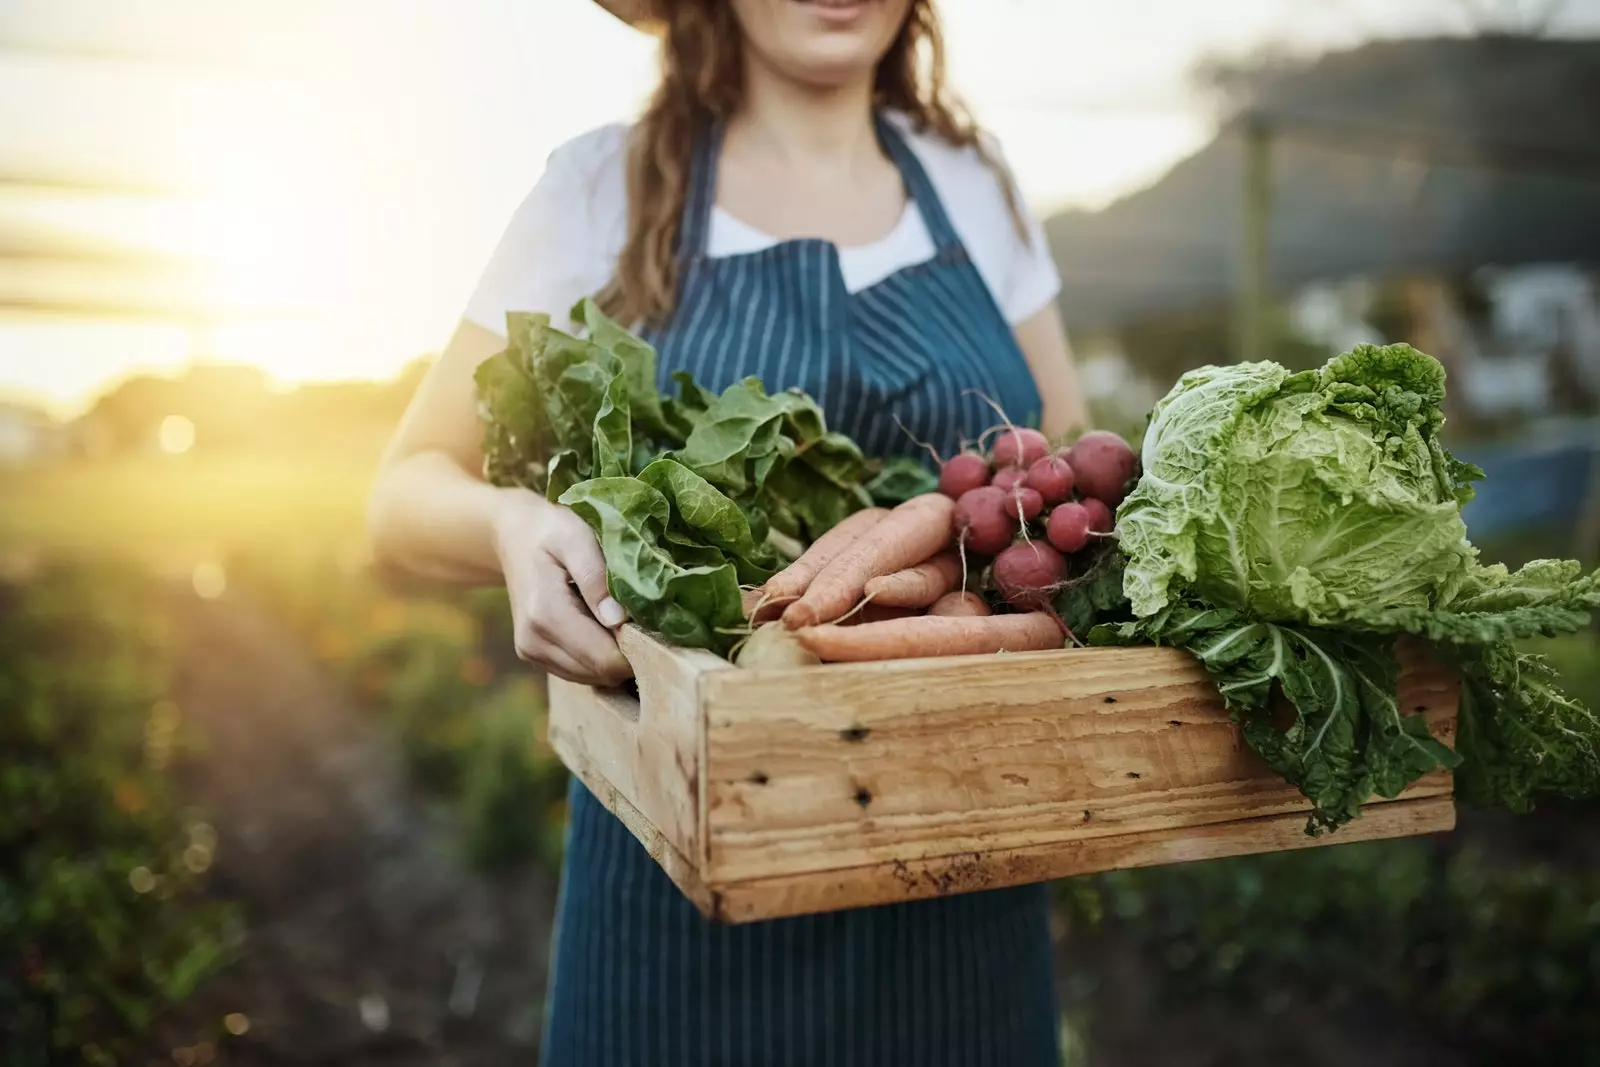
(1028, 574)
(962, 472)
(1053, 477)
(1068, 526)
(981, 522)
(1008, 478)
(1024, 503)
(1100, 517)
(1020, 448)
(1104, 464)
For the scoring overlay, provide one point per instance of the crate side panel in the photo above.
(837, 768)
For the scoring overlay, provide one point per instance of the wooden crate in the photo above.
(783, 792)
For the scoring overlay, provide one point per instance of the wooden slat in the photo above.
(851, 765)
(888, 883)
(654, 761)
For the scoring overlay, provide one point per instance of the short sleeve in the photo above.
(1029, 280)
(563, 241)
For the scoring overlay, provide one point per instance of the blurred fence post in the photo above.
(1254, 238)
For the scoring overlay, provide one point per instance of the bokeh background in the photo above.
(259, 807)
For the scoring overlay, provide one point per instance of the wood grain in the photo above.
(854, 764)
(887, 883)
(782, 792)
(649, 750)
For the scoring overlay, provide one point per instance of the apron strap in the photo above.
(702, 195)
(918, 185)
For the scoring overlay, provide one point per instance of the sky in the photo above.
(327, 177)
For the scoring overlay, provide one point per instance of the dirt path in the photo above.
(367, 939)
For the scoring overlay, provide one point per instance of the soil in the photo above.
(367, 939)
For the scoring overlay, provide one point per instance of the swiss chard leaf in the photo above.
(693, 606)
(613, 431)
(711, 517)
(638, 361)
(899, 480)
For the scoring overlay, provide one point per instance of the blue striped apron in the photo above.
(638, 976)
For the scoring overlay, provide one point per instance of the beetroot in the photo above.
(1028, 573)
(1104, 464)
(1053, 477)
(962, 472)
(1100, 518)
(1020, 448)
(981, 522)
(1068, 526)
(1008, 478)
(1024, 503)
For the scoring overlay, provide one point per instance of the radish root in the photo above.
(938, 459)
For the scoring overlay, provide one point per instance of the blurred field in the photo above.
(157, 502)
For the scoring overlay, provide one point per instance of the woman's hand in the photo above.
(545, 550)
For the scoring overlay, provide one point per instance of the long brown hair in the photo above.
(702, 80)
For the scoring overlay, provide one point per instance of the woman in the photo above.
(799, 202)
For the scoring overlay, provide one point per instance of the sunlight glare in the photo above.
(176, 434)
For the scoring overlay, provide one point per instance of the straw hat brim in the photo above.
(641, 14)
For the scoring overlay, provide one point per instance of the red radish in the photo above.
(1104, 464)
(1068, 526)
(981, 522)
(1024, 503)
(1020, 448)
(962, 472)
(1028, 574)
(964, 604)
(1008, 478)
(1053, 477)
(1100, 517)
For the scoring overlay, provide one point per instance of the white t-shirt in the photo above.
(563, 242)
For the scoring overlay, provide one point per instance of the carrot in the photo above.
(875, 612)
(931, 635)
(908, 535)
(794, 579)
(960, 604)
(920, 585)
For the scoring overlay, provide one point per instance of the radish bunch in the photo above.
(1030, 506)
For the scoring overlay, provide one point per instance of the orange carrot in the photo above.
(960, 605)
(875, 612)
(911, 533)
(920, 585)
(793, 580)
(932, 635)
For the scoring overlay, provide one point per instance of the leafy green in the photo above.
(1094, 596)
(689, 605)
(683, 492)
(899, 480)
(1304, 498)
(1289, 528)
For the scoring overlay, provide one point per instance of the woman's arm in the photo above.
(1043, 340)
(433, 515)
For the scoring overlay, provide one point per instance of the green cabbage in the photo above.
(1322, 497)
(1288, 529)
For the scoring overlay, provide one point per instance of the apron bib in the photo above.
(638, 977)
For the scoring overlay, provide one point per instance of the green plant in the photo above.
(104, 919)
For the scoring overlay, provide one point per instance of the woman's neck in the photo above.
(797, 125)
